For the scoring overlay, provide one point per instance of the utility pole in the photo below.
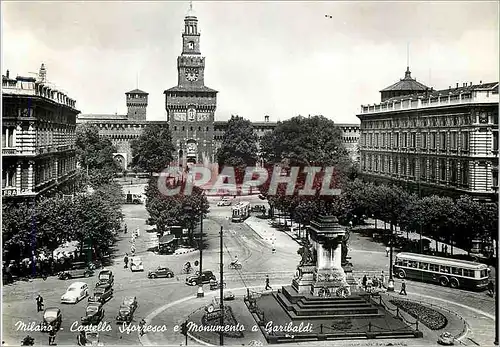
(221, 285)
(200, 293)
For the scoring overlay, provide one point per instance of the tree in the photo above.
(153, 150)
(239, 144)
(17, 229)
(168, 210)
(95, 155)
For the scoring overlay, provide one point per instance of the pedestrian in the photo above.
(52, 336)
(137, 232)
(142, 323)
(491, 288)
(445, 249)
(39, 303)
(132, 250)
(369, 284)
(125, 229)
(387, 250)
(403, 288)
(382, 280)
(267, 283)
(125, 260)
(363, 281)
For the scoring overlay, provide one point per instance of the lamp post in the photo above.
(390, 283)
(200, 293)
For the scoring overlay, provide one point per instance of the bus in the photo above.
(241, 211)
(445, 271)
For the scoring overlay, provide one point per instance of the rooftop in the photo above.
(190, 89)
(406, 84)
(137, 91)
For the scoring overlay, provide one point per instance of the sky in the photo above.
(280, 59)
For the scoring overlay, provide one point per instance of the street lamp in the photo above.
(390, 284)
(188, 209)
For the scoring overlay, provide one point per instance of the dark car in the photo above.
(89, 338)
(102, 294)
(105, 278)
(206, 277)
(79, 269)
(93, 314)
(161, 272)
(52, 319)
(127, 309)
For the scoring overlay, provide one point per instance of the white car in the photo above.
(136, 264)
(182, 250)
(75, 292)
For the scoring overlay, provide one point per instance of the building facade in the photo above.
(123, 129)
(191, 105)
(38, 137)
(434, 141)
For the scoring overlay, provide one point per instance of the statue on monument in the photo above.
(307, 253)
(345, 248)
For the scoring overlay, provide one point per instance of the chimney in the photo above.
(457, 85)
(470, 84)
(8, 73)
(480, 82)
(449, 87)
(266, 118)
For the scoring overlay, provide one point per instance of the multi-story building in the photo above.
(123, 129)
(38, 137)
(191, 105)
(433, 141)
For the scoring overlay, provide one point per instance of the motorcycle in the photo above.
(235, 266)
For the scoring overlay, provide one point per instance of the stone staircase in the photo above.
(305, 306)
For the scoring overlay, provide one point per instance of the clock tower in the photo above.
(191, 105)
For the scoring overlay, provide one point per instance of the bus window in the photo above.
(423, 266)
(456, 271)
(445, 269)
(398, 262)
(468, 273)
(434, 267)
(413, 264)
(484, 273)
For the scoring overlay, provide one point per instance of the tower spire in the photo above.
(408, 55)
(191, 5)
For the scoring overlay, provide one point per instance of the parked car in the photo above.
(105, 278)
(228, 296)
(136, 264)
(102, 294)
(206, 277)
(446, 339)
(75, 292)
(94, 313)
(79, 269)
(161, 272)
(127, 309)
(52, 319)
(89, 338)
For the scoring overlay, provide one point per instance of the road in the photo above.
(240, 240)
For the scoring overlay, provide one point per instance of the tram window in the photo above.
(399, 262)
(423, 266)
(484, 273)
(434, 267)
(404, 263)
(413, 264)
(456, 271)
(469, 273)
(445, 269)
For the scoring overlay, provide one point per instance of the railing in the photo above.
(426, 103)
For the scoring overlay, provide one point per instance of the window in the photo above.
(423, 168)
(396, 165)
(405, 140)
(382, 163)
(376, 140)
(442, 141)
(423, 266)
(495, 140)
(494, 175)
(371, 140)
(199, 128)
(464, 173)
(413, 164)
(465, 141)
(433, 267)
(413, 264)
(433, 140)
(396, 140)
(468, 273)
(445, 269)
(404, 161)
(369, 163)
(453, 136)
(190, 128)
(424, 140)
(442, 169)
(453, 171)
(456, 271)
(175, 128)
(432, 169)
(376, 163)
(383, 140)
(207, 128)
(183, 128)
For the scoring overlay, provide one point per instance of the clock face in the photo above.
(191, 74)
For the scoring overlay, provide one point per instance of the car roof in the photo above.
(77, 284)
(136, 258)
(49, 309)
(105, 271)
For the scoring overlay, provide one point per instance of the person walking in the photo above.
(267, 283)
(39, 303)
(387, 250)
(52, 336)
(363, 281)
(403, 288)
(491, 288)
(125, 260)
(125, 229)
(382, 280)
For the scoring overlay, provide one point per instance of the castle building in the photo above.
(38, 137)
(123, 129)
(433, 141)
(191, 105)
